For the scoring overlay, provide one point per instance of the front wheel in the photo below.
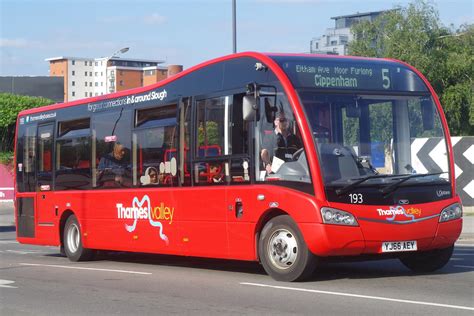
(429, 261)
(283, 252)
(73, 241)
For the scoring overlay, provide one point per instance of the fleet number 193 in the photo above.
(356, 198)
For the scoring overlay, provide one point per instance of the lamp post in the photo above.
(111, 79)
(234, 26)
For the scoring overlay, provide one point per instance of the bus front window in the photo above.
(375, 137)
(282, 158)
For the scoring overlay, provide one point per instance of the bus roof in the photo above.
(270, 59)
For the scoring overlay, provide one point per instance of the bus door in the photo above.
(45, 199)
(202, 208)
(238, 171)
(26, 180)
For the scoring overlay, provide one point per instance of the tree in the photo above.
(10, 106)
(414, 34)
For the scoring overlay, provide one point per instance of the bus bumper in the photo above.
(333, 240)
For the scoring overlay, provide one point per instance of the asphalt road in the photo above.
(38, 281)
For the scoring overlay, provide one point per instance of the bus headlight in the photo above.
(451, 212)
(337, 217)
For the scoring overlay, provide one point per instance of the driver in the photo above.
(282, 143)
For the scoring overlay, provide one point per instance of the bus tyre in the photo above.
(73, 241)
(283, 252)
(428, 261)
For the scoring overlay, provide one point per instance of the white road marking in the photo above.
(358, 296)
(467, 267)
(83, 268)
(463, 254)
(4, 283)
(26, 252)
(8, 242)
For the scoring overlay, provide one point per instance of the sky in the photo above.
(176, 31)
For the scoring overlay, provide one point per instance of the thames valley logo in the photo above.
(143, 210)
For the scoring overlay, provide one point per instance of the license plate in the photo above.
(398, 246)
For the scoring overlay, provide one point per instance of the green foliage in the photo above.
(414, 34)
(10, 106)
(208, 135)
(6, 157)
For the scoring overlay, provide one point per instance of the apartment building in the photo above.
(89, 77)
(336, 39)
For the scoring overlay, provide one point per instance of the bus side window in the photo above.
(111, 161)
(28, 163)
(211, 131)
(155, 147)
(73, 155)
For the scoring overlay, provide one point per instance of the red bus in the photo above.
(277, 158)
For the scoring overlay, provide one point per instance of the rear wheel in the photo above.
(283, 252)
(73, 241)
(427, 261)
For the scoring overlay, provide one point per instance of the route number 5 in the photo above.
(385, 78)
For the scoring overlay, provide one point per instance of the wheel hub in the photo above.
(282, 249)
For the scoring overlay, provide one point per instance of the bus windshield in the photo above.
(374, 139)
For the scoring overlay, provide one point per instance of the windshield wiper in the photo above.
(354, 184)
(389, 189)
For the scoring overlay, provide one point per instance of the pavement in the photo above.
(7, 220)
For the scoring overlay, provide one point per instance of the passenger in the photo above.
(282, 143)
(114, 163)
(150, 177)
(216, 174)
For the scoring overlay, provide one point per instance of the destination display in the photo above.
(351, 75)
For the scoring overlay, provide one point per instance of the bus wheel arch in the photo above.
(282, 250)
(263, 220)
(72, 238)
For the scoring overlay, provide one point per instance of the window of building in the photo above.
(97, 63)
(90, 73)
(101, 84)
(96, 74)
(96, 94)
(121, 82)
(101, 73)
(85, 83)
(73, 83)
(90, 64)
(73, 73)
(85, 73)
(90, 94)
(73, 94)
(90, 84)
(121, 72)
(85, 93)
(85, 63)
(96, 84)
(73, 62)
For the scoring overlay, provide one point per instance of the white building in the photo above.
(335, 41)
(89, 77)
